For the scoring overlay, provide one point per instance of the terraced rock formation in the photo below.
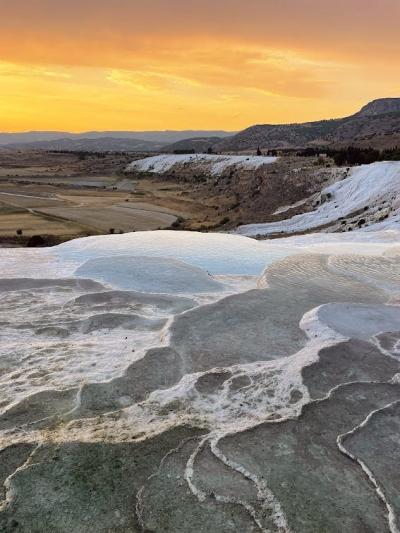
(246, 403)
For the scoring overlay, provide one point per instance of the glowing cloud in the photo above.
(179, 64)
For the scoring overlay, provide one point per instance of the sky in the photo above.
(82, 65)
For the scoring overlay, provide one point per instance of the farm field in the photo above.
(61, 196)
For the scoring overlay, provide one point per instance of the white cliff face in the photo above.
(372, 190)
(209, 164)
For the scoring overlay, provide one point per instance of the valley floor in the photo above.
(59, 196)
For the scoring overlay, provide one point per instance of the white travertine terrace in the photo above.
(374, 188)
(174, 381)
(209, 164)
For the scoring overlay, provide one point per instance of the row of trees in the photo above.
(352, 155)
(363, 156)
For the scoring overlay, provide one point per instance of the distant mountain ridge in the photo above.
(116, 140)
(101, 144)
(380, 118)
(377, 124)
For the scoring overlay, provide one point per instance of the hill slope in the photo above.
(198, 144)
(376, 119)
(367, 199)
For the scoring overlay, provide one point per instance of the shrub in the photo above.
(35, 241)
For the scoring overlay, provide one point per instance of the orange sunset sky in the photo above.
(173, 64)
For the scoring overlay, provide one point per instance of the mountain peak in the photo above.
(380, 107)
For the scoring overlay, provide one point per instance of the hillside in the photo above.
(238, 189)
(197, 144)
(378, 119)
(367, 199)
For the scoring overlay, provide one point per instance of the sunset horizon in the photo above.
(191, 129)
(130, 67)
